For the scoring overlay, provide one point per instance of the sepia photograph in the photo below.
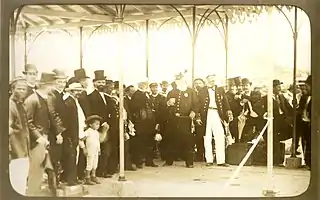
(160, 101)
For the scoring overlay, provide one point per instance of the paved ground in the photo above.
(202, 181)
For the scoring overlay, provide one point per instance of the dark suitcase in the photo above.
(259, 154)
(236, 152)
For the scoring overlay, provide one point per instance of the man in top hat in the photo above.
(19, 140)
(56, 109)
(214, 110)
(39, 126)
(182, 105)
(31, 74)
(304, 121)
(282, 121)
(74, 121)
(105, 107)
(144, 123)
(81, 76)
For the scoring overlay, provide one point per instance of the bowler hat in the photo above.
(92, 118)
(80, 74)
(99, 75)
(237, 81)
(309, 80)
(276, 83)
(29, 67)
(245, 81)
(47, 78)
(59, 74)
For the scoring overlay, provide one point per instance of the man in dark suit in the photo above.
(145, 124)
(282, 122)
(182, 105)
(31, 74)
(214, 109)
(304, 121)
(56, 108)
(99, 106)
(81, 76)
(74, 121)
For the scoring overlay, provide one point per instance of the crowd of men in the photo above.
(58, 128)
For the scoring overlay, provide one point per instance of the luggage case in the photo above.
(259, 154)
(236, 152)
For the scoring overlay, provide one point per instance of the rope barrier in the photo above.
(244, 160)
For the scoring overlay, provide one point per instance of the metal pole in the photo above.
(147, 48)
(81, 48)
(25, 47)
(121, 42)
(12, 48)
(226, 40)
(294, 101)
(193, 37)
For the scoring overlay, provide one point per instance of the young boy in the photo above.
(92, 149)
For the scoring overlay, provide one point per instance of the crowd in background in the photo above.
(58, 128)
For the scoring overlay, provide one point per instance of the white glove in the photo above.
(158, 137)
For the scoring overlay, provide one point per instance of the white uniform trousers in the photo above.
(215, 128)
(18, 171)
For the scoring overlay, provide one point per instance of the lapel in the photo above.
(98, 96)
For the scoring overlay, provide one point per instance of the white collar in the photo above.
(66, 95)
(154, 95)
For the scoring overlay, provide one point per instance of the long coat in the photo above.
(97, 105)
(19, 140)
(204, 102)
(85, 103)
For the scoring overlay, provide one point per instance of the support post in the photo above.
(226, 40)
(147, 48)
(121, 99)
(12, 47)
(193, 47)
(269, 192)
(81, 47)
(25, 47)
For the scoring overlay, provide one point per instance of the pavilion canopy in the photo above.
(33, 18)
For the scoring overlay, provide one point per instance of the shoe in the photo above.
(189, 166)
(95, 180)
(223, 165)
(209, 164)
(167, 164)
(140, 166)
(151, 165)
(107, 176)
(89, 182)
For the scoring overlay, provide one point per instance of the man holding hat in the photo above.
(144, 123)
(304, 121)
(56, 109)
(74, 122)
(19, 139)
(39, 126)
(31, 73)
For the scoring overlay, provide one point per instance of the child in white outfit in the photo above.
(92, 148)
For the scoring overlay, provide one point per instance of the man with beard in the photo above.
(145, 125)
(198, 84)
(82, 78)
(304, 121)
(214, 110)
(31, 74)
(99, 106)
(39, 127)
(19, 140)
(56, 109)
(282, 122)
(74, 121)
(182, 103)
(164, 88)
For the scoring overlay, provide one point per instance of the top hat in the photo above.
(277, 82)
(245, 81)
(47, 78)
(93, 118)
(237, 81)
(80, 74)
(29, 67)
(59, 74)
(309, 80)
(99, 75)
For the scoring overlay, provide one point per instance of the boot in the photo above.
(88, 179)
(94, 177)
